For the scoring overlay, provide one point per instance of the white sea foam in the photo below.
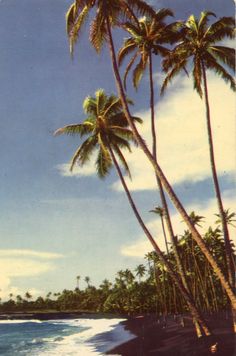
(80, 344)
(19, 321)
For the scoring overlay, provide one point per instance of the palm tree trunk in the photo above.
(162, 194)
(228, 248)
(195, 313)
(162, 177)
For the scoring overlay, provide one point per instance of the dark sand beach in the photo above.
(155, 337)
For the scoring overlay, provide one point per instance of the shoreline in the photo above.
(147, 334)
(156, 337)
(52, 315)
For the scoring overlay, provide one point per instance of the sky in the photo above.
(55, 225)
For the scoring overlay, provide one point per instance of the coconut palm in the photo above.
(108, 132)
(87, 280)
(147, 37)
(77, 281)
(198, 44)
(107, 16)
(140, 271)
(160, 211)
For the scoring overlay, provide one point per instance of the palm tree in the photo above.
(108, 132)
(160, 211)
(77, 281)
(198, 43)
(107, 16)
(147, 37)
(140, 271)
(87, 280)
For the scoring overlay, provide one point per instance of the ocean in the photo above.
(81, 337)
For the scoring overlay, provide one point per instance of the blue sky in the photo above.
(54, 226)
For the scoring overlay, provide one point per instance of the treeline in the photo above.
(146, 289)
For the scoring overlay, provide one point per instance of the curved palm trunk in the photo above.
(197, 237)
(228, 249)
(196, 314)
(162, 194)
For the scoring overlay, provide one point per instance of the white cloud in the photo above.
(21, 264)
(142, 246)
(86, 170)
(182, 138)
(29, 253)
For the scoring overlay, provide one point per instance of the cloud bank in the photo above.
(182, 136)
(21, 264)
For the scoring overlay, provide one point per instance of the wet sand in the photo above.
(155, 337)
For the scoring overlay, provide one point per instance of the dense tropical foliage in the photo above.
(201, 266)
(146, 289)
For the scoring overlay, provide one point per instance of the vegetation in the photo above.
(202, 267)
(146, 289)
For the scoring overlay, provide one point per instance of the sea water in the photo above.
(77, 337)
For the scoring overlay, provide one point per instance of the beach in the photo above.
(155, 337)
(71, 333)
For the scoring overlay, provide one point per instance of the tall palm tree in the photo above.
(148, 36)
(77, 281)
(140, 271)
(198, 44)
(160, 211)
(107, 16)
(87, 280)
(107, 130)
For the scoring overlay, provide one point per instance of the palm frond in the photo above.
(90, 105)
(133, 29)
(122, 159)
(103, 162)
(122, 132)
(101, 99)
(192, 23)
(176, 69)
(160, 50)
(212, 64)
(197, 75)
(138, 72)
(204, 18)
(224, 27)
(119, 141)
(74, 24)
(98, 32)
(77, 129)
(141, 8)
(113, 106)
(127, 48)
(84, 152)
(161, 14)
(131, 62)
(225, 54)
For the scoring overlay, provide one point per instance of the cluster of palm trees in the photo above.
(146, 289)
(110, 127)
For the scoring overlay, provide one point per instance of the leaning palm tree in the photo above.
(107, 16)
(198, 44)
(148, 36)
(108, 132)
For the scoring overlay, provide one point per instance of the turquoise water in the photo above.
(82, 337)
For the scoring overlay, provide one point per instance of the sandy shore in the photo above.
(154, 337)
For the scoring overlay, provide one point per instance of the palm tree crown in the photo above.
(105, 126)
(147, 36)
(198, 41)
(107, 10)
